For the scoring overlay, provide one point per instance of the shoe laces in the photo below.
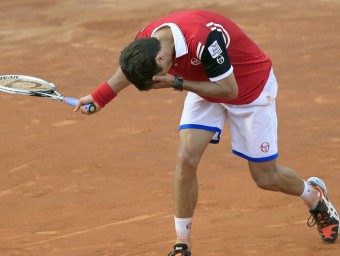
(180, 249)
(179, 252)
(321, 218)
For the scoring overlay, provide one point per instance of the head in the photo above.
(138, 62)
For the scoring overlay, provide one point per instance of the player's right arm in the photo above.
(118, 81)
(104, 93)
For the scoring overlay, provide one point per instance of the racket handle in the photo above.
(73, 102)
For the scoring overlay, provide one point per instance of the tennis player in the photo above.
(228, 78)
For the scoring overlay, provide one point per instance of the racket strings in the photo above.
(32, 86)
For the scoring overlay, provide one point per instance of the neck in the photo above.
(164, 35)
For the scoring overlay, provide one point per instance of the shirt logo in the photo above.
(195, 61)
(220, 59)
(215, 50)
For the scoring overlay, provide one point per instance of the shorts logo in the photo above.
(265, 147)
(188, 226)
(195, 61)
(220, 59)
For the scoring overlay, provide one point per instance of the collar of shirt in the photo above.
(181, 47)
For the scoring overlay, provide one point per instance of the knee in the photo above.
(264, 177)
(187, 161)
(265, 182)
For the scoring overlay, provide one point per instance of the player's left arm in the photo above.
(224, 88)
(218, 68)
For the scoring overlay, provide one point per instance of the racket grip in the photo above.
(73, 102)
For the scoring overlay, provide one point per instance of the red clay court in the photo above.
(73, 185)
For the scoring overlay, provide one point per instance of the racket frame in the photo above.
(52, 93)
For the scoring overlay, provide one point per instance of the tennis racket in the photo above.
(32, 86)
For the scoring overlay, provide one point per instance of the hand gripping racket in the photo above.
(32, 86)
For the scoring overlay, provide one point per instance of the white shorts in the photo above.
(253, 127)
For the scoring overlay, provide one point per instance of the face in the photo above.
(164, 62)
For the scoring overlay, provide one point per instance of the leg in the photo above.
(202, 122)
(254, 137)
(268, 175)
(193, 142)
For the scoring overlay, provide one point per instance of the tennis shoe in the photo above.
(324, 216)
(180, 250)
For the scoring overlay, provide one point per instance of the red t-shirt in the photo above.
(209, 47)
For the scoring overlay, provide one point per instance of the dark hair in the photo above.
(138, 62)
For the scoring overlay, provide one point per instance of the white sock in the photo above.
(310, 196)
(183, 228)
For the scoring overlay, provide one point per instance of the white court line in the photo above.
(18, 168)
(134, 219)
(286, 224)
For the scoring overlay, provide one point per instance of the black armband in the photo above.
(178, 84)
